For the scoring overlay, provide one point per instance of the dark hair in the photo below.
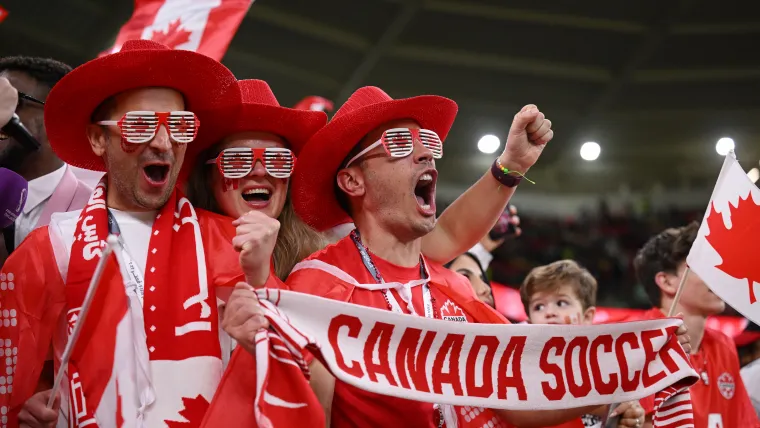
(483, 274)
(663, 253)
(552, 276)
(44, 70)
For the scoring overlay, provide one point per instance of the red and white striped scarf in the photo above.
(470, 367)
(177, 327)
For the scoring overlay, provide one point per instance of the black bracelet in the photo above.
(502, 176)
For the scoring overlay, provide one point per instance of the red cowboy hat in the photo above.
(203, 82)
(260, 111)
(313, 184)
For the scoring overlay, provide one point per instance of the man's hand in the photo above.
(683, 336)
(255, 240)
(8, 101)
(35, 413)
(631, 414)
(530, 132)
(243, 316)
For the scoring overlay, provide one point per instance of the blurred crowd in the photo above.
(605, 243)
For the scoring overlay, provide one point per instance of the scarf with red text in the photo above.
(173, 310)
(471, 367)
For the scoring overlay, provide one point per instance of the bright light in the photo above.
(590, 151)
(489, 143)
(724, 145)
(754, 174)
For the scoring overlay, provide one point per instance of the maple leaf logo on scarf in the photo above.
(452, 312)
(194, 411)
(173, 36)
(732, 244)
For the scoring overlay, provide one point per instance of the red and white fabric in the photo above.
(722, 254)
(189, 258)
(114, 382)
(476, 366)
(204, 26)
(719, 397)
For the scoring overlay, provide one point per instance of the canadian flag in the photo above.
(724, 253)
(204, 26)
(110, 386)
(269, 390)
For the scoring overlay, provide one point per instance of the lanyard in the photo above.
(389, 297)
(136, 282)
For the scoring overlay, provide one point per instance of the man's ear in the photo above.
(667, 282)
(98, 139)
(588, 316)
(351, 181)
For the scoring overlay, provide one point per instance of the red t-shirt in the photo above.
(352, 406)
(721, 401)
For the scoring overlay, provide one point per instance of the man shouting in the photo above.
(134, 115)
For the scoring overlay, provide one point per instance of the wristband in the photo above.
(502, 175)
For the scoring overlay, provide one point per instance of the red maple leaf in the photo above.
(194, 411)
(174, 36)
(735, 245)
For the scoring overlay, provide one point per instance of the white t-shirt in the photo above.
(135, 230)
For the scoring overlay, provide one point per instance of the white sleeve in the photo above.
(484, 256)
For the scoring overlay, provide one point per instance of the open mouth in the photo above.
(4, 136)
(257, 195)
(156, 174)
(424, 191)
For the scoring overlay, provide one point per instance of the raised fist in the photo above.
(255, 240)
(530, 132)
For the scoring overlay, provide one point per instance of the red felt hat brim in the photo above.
(294, 126)
(204, 83)
(313, 181)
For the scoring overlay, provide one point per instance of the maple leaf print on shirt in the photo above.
(194, 411)
(174, 35)
(735, 245)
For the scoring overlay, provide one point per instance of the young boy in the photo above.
(565, 293)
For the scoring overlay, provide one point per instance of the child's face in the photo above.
(559, 306)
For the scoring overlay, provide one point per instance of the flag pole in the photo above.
(685, 275)
(108, 249)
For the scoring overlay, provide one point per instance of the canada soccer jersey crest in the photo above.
(452, 312)
(726, 385)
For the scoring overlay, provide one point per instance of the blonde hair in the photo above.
(295, 242)
(296, 239)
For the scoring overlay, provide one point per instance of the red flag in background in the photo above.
(204, 26)
(3, 14)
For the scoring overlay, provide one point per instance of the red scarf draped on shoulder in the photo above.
(179, 312)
